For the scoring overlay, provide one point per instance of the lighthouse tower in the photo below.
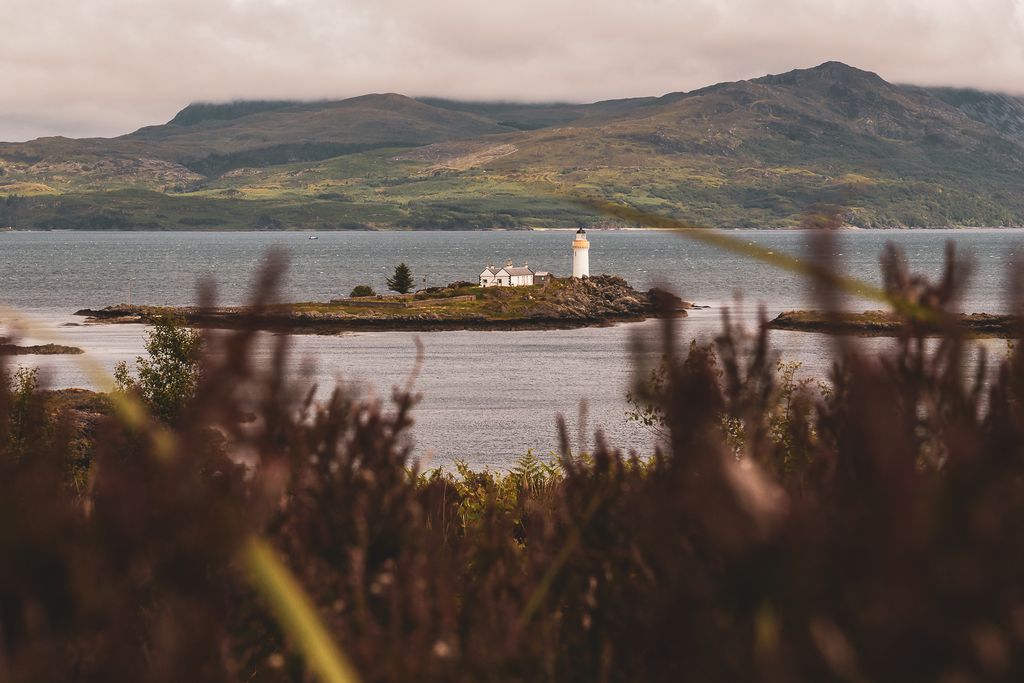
(581, 255)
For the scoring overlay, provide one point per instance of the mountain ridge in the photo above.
(762, 152)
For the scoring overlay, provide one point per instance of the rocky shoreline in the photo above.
(597, 301)
(887, 324)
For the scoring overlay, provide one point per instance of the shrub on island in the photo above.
(362, 290)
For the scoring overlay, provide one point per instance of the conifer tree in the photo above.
(402, 282)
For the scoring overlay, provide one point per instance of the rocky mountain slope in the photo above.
(760, 153)
(1003, 113)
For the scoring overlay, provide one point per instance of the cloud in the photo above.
(103, 67)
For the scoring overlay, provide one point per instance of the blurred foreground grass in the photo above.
(870, 529)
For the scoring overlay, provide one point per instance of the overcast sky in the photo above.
(106, 67)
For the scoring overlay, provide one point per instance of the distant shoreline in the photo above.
(953, 228)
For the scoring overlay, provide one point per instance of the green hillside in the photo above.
(761, 153)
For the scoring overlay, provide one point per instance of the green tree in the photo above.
(25, 407)
(402, 282)
(168, 379)
(362, 290)
(9, 210)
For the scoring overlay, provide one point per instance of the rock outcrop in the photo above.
(9, 348)
(887, 324)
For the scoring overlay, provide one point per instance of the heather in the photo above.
(866, 529)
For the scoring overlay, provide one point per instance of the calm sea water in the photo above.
(487, 396)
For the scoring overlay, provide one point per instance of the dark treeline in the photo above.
(870, 532)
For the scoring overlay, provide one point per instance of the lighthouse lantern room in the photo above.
(581, 255)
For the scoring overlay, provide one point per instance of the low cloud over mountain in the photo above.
(105, 67)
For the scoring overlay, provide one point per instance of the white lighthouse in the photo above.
(581, 255)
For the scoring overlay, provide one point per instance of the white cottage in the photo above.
(506, 276)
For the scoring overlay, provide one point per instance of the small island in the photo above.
(9, 348)
(559, 303)
(888, 324)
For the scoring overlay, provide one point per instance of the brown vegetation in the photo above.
(874, 534)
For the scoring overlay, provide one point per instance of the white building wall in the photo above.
(522, 280)
(503, 279)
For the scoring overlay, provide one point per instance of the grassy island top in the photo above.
(598, 300)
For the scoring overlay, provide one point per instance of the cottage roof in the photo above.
(519, 271)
